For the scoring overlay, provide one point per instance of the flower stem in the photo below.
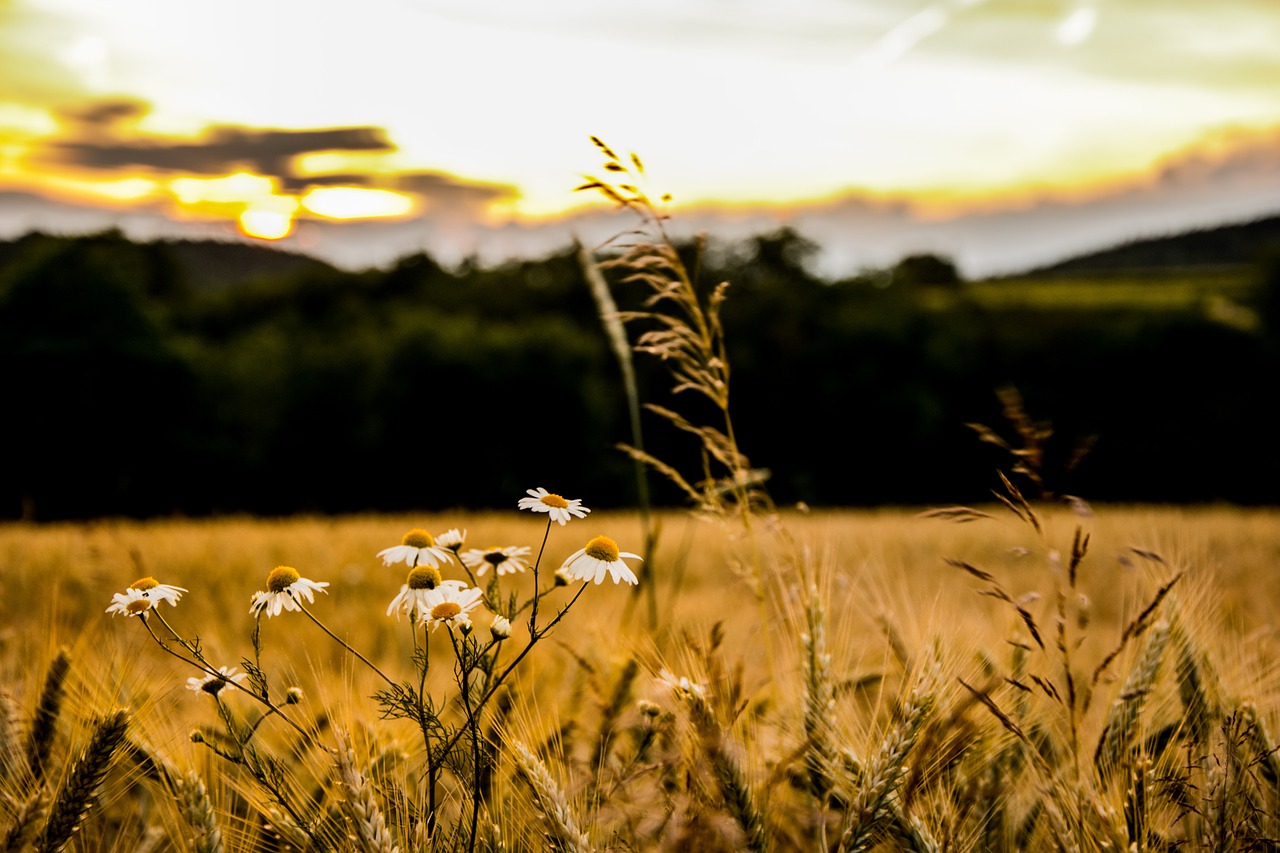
(343, 643)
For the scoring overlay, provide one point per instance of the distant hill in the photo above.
(1223, 245)
(203, 264)
(210, 265)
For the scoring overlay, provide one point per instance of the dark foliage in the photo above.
(150, 379)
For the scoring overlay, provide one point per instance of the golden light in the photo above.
(236, 187)
(266, 224)
(356, 203)
(31, 121)
(126, 189)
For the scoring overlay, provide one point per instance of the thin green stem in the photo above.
(201, 664)
(343, 643)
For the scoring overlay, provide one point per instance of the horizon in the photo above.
(1002, 136)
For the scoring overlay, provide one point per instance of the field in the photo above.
(1033, 674)
(886, 596)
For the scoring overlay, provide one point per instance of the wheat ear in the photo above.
(19, 833)
(10, 748)
(359, 805)
(43, 724)
(79, 790)
(874, 799)
(728, 773)
(819, 698)
(565, 834)
(1121, 725)
(1197, 684)
(197, 810)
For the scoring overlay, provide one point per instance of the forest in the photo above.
(198, 378)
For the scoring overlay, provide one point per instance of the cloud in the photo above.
(105, 114)
(1229, 176)
(452, 197)
(225, 149)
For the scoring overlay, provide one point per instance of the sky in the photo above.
(1003, 133)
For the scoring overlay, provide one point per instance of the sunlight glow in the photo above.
(267, 223)
(237, 187)
(356, 203)
(126, 189)
(1077, 27)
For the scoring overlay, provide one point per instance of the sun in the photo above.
(266, 224)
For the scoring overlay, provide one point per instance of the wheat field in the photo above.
(1034, 674)
(889, 593)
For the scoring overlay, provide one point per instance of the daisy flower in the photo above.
(601, 555)
(284, 587)
(451, 605)
(540, 500)
(131, 602)
(416, 548)
(681, 685)
(149, 590)
(500, 627)
(452, 539)
(415, 593)
(507, 560)
(213, 683)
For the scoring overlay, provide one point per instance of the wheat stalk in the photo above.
(78, 791)
(565, 834)
(197, 810)
(819, 698)
(359, 805)
(873, 801)
(27, 816)
(44, 723)
(1121, 725)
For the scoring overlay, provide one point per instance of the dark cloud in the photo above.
(225, 149)
(107, 113)
(454, 197)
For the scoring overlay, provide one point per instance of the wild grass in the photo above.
(1032, 674)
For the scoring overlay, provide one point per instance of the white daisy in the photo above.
(213, 684)
(414, 598)
(540, 500)
(284, 587)
(451, 605)
(601, 555)
(681, 685)
(452, 539)
(149, 590)
(507, 560)
(131, 602)
(416, 548)
(500, 627)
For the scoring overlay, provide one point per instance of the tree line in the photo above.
(151, 379)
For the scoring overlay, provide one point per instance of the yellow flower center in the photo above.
(603, 548)
(282, 577)
(555, 501)
(446, 610)
(144, 584)
(142, 605)
(495, 557)
(418, 538)
(424, 577)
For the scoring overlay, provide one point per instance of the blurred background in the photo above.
(318, 258)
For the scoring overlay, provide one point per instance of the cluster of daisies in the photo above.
(425, 597)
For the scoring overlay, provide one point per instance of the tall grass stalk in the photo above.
(616, 332)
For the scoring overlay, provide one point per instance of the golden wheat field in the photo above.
(1034, 675)
(847, 684)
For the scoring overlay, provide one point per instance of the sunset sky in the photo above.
(361, 131)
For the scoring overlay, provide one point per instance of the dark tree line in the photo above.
(161, 378)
